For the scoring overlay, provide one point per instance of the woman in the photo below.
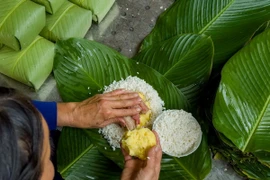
(24, 134)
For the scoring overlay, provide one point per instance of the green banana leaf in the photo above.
(78, 158)
(20, 22)
(263, 157)
(1, 45)
(263, 27)
(242, 108)
(245, 164)
(69, 21)
(230, 23)
(99, 7)
(82, 68)
(186, 60)
(30, 66)
(51, 6)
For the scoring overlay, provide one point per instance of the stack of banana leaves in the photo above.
(69, 21)
(22, 56)
(28, 34)
(182, 59)
(99, 8)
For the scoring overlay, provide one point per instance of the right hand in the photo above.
(136, 169)
(100, 110)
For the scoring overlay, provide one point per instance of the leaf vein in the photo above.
(216, 17)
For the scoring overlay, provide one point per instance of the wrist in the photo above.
(65, 114)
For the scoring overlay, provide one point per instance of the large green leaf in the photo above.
(30, 66)
(65, 23)
(79, 159)
(242, 108)
(186, 60)
(82, 68)
(230, 23)
(20, 22)
(51, 6)
(99, 7)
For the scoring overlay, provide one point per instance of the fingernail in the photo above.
(138, 109)
(139, 99)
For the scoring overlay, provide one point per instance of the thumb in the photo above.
(125, 154)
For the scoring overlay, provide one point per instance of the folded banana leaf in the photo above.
(99, 7)
(20, 22)
(82, 68)
(242, 104)
(229, 23)
(30, 66)
(69, 21)
(51, 6)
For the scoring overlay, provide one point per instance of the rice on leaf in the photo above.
(20, 22)
(69, 21)
(30, 66)
(51, 6)
(114, 132)
(99, 7)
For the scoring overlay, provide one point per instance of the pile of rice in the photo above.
(179, 132)
(114, 132)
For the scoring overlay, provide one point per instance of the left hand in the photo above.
(149, 169)
(101, 110)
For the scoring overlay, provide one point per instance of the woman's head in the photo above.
(22, 137)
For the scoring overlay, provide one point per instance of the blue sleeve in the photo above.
(49, 112)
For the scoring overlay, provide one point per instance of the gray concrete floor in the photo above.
(127, 23)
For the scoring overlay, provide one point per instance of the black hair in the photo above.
(21, 137)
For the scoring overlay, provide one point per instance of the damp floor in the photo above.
(124, 27)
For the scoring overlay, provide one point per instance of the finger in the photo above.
(124, 112)
(151, 160)
(125, 154)
(121, 121)
(114, 92)
(126, 96)
(157, 138)
(144, 107)
(125, 103)
(158, 155)
(118, 92)
(136, 118)
(154, 154)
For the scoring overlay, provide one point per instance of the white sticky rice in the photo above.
(179, 132)
(114, 132)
